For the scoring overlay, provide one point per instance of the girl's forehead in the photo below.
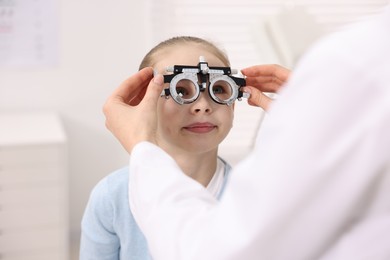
(185, 55)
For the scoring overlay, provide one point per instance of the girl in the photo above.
(190, 133)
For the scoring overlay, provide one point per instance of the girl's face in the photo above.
(197, 127)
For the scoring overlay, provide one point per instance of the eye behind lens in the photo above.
(223, 89)
(183, 88)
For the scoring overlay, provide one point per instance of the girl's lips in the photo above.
(200, 128)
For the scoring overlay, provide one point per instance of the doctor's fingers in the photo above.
(268, 73)
(265, 83)
(267, 70)
(132, 124)
(154, 89)
(257, 98)
(131, 90)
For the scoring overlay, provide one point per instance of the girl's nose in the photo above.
(202, 104)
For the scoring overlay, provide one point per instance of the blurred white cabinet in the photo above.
(33, 188)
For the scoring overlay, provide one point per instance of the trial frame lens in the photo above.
(186, 83)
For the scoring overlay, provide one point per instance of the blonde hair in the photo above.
(149, 59)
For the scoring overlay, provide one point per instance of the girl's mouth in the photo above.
(200, 128)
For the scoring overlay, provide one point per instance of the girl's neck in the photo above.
(200, 167)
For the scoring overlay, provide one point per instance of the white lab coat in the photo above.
(316, 186)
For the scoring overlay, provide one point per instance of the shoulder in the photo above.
(108, 200)
(111, 187)
(105, 200)
(118, 179)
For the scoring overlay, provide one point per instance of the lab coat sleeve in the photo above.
(314, 174)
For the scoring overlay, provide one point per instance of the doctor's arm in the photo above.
(296, 193)
(287, 200)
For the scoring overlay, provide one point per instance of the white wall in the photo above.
(101, 42)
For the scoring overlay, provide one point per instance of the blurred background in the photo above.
(59, 61)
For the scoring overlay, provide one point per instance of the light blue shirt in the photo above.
(109, 230)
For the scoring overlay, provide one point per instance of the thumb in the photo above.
(154, 89)
(258, 98)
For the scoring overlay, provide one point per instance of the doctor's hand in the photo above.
(264, 78)
(131, 110)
